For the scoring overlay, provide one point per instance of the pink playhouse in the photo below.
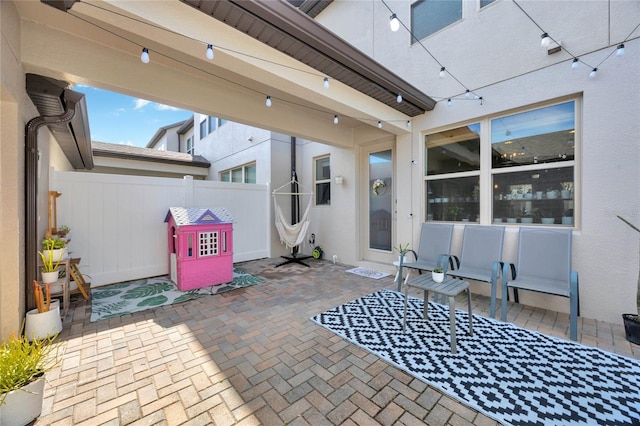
(200, 246)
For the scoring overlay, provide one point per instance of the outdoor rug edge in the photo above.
(355, 321)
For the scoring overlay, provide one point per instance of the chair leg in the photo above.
(425, 311)
(406, 301)
(573, 306)
(470, 314)
(452, 323)
(505, 292)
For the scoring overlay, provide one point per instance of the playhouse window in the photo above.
(208, 244)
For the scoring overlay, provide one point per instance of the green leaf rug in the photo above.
(134, 296)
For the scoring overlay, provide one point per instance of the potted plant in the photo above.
(437, 274)
(50, 267)
(44, 321)
(632, 321)
(402, 252)
(55, 247)
(23, 364)
(63, 231)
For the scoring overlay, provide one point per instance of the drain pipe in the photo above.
(31, 193)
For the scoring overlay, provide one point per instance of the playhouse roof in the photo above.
(198, 215)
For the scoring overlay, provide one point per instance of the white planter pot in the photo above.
(56, 255)
(565, 193)
(39, 325)
(50, 277)
(405, 259)
(24, 405)
(437, 276)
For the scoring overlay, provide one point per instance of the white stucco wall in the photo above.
(496, 52)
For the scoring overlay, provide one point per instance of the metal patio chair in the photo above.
(544, 265)
(481, 257)
(434, 249)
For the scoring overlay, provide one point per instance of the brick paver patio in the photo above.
(251, 356)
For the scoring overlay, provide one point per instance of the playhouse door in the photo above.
(173, 268)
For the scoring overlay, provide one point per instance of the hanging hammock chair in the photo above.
(292, 234)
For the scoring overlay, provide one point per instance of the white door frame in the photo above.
(366, 253)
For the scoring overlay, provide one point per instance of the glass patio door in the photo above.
(380, 200)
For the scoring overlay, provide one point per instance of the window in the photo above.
(484, 3)
(221, 121)
(190, 147)
(530, 171)
(243, 174)
(430, 16)
(203, 129)
(213, 121)
(208, 244)
(323, 181)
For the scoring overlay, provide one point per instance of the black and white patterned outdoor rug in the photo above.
(513, 375)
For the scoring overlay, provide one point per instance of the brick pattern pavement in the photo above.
(251, 356)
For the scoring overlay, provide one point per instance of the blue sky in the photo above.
(120, 119)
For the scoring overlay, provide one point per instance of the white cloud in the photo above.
(129, 143)
(140, 103)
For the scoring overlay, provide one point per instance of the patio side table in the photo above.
(450, 287)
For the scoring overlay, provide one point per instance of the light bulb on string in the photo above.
(546, 40)
(325, 83)
(593, 73)
(268, 102)
(379, 124)
(335, 119)
(467, 94)
(409, 124)
(210, 52)
(449, 102)
(620, 50)
(442, 73)
(145, 55)
(399, 98)
(575, 63)
(394, 23)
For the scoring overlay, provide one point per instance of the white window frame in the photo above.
(208, 243)
(317, 182)
(243, 169)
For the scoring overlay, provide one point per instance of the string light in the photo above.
(409, 124)
(575, 63)
(620, 50)
(325, 83)
(399, 98)
(442, 73)
(468, 94)
(210, 52)
(379, 124)
(394, 23)
(449, 102)
(335, 119)
(268, 102)
(145, 55)
(546, 40)
(593, 73)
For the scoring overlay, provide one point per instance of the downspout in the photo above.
(295, 199)
(31, 193)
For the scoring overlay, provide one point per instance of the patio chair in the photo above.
(481, 257)
(544, 265)
(434, 249)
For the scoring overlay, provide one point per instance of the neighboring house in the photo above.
(132, 160)
(541, 125)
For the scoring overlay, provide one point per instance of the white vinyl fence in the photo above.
(117, 221)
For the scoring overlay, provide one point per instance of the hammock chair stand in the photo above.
(295, 219)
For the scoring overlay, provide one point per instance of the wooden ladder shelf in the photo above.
(76, 275)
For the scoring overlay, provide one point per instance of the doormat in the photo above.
(513, 375)
(364, 272)
(135, 296)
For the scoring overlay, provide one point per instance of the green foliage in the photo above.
(48, 265)
(401, 248)
(53, 243)
(22, 362)
(438, 270)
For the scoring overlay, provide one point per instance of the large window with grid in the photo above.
(515, 168)
(208, 243)
(242, 174)
(323, 180)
